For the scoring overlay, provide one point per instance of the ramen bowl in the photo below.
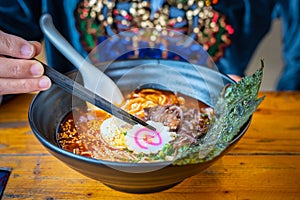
(199, 82)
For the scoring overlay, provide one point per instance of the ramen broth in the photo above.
(179, 121)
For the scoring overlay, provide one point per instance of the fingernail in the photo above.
(37, 69)
(27, 50)
(44, 82)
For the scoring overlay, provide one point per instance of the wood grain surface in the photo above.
(263, 165)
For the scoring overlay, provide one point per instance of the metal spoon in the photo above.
(93, 79)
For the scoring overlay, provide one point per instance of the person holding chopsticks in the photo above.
(229, 31)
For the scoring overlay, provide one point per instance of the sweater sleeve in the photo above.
(20, 17)
(251, 20)
(288, 11)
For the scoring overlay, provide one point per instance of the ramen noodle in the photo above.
(179, 121)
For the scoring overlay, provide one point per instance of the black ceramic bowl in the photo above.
(50, 107)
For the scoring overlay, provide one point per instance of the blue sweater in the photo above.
(250, 19)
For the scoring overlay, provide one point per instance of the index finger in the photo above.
(14, 46)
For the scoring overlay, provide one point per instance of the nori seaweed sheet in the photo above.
(234, 107)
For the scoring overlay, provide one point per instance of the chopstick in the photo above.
(83, 93)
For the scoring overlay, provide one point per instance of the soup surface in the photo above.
(179, 121)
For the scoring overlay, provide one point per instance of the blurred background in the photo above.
(269, 50)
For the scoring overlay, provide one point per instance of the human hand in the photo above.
(18, 74)
(235, 77)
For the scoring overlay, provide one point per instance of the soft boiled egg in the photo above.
(113, 131)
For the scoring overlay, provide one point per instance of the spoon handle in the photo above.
(60, 42)
(81, 92)
(93, 78)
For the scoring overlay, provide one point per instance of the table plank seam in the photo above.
(24, 155)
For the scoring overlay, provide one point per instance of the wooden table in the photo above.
(265, 164)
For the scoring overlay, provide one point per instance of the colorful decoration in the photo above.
(99, 19)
